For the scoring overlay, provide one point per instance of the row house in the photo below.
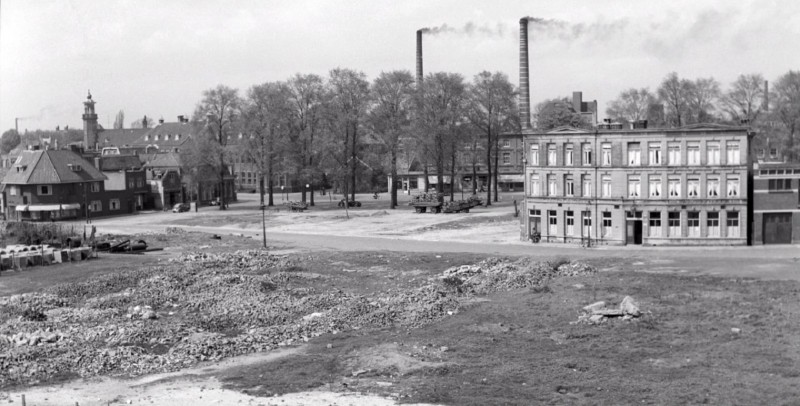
(683, 186)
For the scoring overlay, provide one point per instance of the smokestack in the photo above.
(524, 84)
(419, 57)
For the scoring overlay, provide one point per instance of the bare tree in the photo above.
(701, 101)
(787, 111)
(631, 105)
(349, 96)
(744, 101)
(265, 117)
(306, 97)
(219, 111)
(390, 116)
(674, 93)
(492, 109)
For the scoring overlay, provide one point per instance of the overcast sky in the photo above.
(155, 58)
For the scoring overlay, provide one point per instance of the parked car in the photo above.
(180, 207)
(350, 203)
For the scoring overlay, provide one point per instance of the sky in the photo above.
(155, 58)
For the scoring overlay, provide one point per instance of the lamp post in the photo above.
(264, 225)
(283, 197)
(307, 186)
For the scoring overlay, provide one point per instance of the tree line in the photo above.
(351, 133)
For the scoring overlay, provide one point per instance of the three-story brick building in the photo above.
(685, 186)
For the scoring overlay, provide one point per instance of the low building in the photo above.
(684, 186)
(125, 186)
(48, 185)
(776, 203)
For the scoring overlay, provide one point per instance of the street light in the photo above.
(283, 197)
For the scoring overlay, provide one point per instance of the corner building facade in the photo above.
(685, 186)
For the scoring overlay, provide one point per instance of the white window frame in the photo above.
(655, 188)
(586, 154)
(654, 154)
(634, 188)
(569, 155)
(606, 186)
(712, 188)
(586, 223)
(94, 187)
(569, 222)
(733, 230)
(674, 186)
(552, 154)
(535, 154)
(712, 224)
(733, 187)
(506, 158)
(712, 153)
(13, 190)
(569, 186)
(587, 186)
(693, 231)
(536, 186)
(96, 206)
(606, 148)
(552, 185)
(674, 151)
(506, 142)
(733, 154)
(552, 223)
(634, 154)
(693, 154)
(607, 223)
(111, 204)
(674, 225)
(693, 188)
(654, 224)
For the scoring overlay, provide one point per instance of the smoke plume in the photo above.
(566, 31)
(469, 29)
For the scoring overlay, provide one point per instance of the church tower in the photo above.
(89, 124)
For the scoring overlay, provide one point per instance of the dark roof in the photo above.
(50, 167)
(169, 134)
(121, 137)
(119, 162)
(162, 160)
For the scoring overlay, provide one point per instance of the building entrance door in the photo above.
(777, 228)
(634, 235)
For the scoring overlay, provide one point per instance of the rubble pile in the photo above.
(495, 274)
(597, 312)
(205, 307)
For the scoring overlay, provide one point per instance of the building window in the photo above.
(732, 223)
(45, 190)
(587, 223)
(654, 153)
(552, 222)
(733, 157)
(674, 151)
(139, 182)
(606, 223)
(587, 154)
(780, 184)
(655, 187)
(655, 224)
(551, 154)
(96, 206)
(712, 153)
(693, 189)
(536, 187)
(12, 190)
(506, 158)
(568, 155)
(158, 137)
(761, 153)
(773, 153)
(113, 204)
(570, 221)
(95, 186)
(131, 183)
(674, 223)
(713, 187)
(693, 154)
(147, 137)
(177, 137)
(587, 186)
(674, 188)
(733, 187)
(634, 154)
(606, 186)
(552, 185)
(606, 154)
(534, 154)
(634, 188)
(569, 186)
(506, 142)
(712, 221)
(693, 223)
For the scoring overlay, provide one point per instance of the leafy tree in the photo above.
(265, 120)
(744, 101)
(119, 120)
(674, 92)
(555, 113)
(390, 116)
(219, 112)
(347, 106)
(9, 140)
(787, 111)
(493, 110)
(631, 105)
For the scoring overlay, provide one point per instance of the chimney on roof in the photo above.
(97, 163)
(577, 101)
(524, 77)
(180, 119)
(160, 121)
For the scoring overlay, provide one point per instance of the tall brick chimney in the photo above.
(524, 79)
(419, 57)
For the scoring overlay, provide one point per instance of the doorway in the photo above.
(634, 227)
(777, 228)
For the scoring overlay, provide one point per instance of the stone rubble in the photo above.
(206, 307)
(597, 312)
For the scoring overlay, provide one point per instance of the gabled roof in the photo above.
(51, 167)
(120, 137)
(162, 160)
(119, 162)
